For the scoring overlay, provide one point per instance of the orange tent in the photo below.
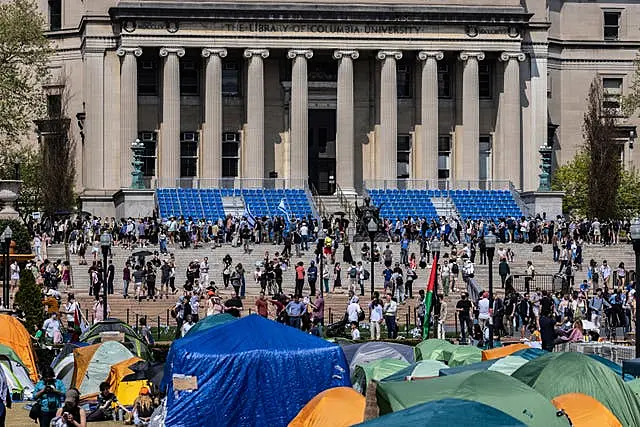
(15, 336)
(335, 407)
(125, 391)
(499, 352)
(585, 411)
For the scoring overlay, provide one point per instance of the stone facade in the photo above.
(461, 91)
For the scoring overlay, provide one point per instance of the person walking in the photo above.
(464, 308)
(49, 394)
(375, 316)
(312, 277)
(300, 273)
(390, 311)
(442, 318)
(503, 270)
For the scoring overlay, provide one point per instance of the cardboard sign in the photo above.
(112, 336)
(185, 382)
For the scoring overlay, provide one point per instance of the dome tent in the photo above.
(360, 353)
(335, 407)
(261, 367)
(585, 411)
(374, 371)
(15, 336)
(419, 370)
(434, 349)
(93, 363)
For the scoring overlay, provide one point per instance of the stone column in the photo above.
(254, 138)
(211, 145)
(345, 176)
(427, 147)
(94, 153)
(538, 111)
(299, 110)
(169, 151)
(468, 154)
(128, 110)
(386, 152)
(507, 150)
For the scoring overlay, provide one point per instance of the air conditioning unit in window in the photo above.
(147, 136)
(189, 136)
(230, 137)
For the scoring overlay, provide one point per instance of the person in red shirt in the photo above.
(299, 278)
(262, 307)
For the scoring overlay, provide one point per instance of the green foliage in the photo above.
(29, 299)
(628, 202)
(631, 102)
(572, 179)
(20, 235)
(24, 51)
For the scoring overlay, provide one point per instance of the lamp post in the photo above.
(372, 228)
(635, 238)
(105, 243)
(6, 237)
(321, 265)
(435, 248)
(490, 242)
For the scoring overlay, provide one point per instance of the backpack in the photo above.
(454, 268)
(366, 274)
(360, 315)
(353, 272)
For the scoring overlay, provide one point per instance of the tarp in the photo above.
(585, 411)
(93, 363)
(491, 388)
(17, 378)
(252, 371)
(559, 373)
(419, 370)
(125, 391)
(464, 355)
(210, 322)
(357, 354)
(496, 353)
(434, 349)
(376, 370)
(634, 385)
(335, 407)
(446, 413)
(132, 340)
(617, 369)
(14, 335)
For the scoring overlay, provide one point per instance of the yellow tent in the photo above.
(585, 411)
(497, 353)
(125, 391)
(16, 337)
(335, 407)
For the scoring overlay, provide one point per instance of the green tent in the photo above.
(491, 388)
(465, 355)
(559, 373)
(434, 349)
(376, 370)
(634, 385)
(8, 353)
(438, 413)
(419, 370)
(505, 365)
(210, 322)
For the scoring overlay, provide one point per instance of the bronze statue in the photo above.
(364, 214)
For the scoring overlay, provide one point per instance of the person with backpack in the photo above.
(363, 275)
(177, 312)
(524, 310)
(312, 277)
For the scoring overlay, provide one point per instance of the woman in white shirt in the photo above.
(376, 317)
(483, 310)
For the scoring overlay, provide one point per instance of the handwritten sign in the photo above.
(185, 382)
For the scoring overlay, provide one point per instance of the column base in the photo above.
(547, 203)
(134, 203)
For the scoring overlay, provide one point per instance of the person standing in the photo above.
(203, 280)
(300, 273)
(445, 275)
(14, 272)
(464, 307)
(5, 398)
(111, 274)
(442, 318)
(503, 270)
(390, 311)
(262, 307)
(375, 316)
(530, 274)
(48, 393)
(151, 282)
(295, 309)
(126, 279)
(98, 310)
(312, 277)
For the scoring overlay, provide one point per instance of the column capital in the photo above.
(294, 53)
(382, 54)
(339, 54)
(215, 51)
(122, 51)
(466, 55)
(426, 54)
(506, 56)
(264, 53)
(165, 51)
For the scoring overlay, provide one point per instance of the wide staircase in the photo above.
(335, 303)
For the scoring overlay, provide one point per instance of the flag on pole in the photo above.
(428, 298)
(251, 220)
(283, 209)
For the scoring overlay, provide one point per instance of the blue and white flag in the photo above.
(251, 220)
(283, 208)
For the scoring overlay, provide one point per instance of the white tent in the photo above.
(17, 378)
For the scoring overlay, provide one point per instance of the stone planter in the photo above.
(9, 192)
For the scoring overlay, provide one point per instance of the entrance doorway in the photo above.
(322, 150)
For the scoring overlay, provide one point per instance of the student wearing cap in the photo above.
(71, 414)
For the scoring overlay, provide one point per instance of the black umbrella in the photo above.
(143, 253)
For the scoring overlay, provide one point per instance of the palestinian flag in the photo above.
(428, 298)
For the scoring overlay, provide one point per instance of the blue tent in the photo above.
(249, 372)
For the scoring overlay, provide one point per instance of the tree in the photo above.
(29, 300)
(631, 102)
(24, 52)
(604, 156)
(20, 235)
(628, 202)
(572, 179)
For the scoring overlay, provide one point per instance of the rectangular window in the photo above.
(611, 25)
(485, 158)
(149, 139)
(54, 106)
(55, 15)
(405, 81)
(148, 77)
(404, 156)
(612, 91)
(189, 77)
(230, 79)
(444, 157)
(444, 81)
(189, 154)
(484, 80)
(230, 154)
